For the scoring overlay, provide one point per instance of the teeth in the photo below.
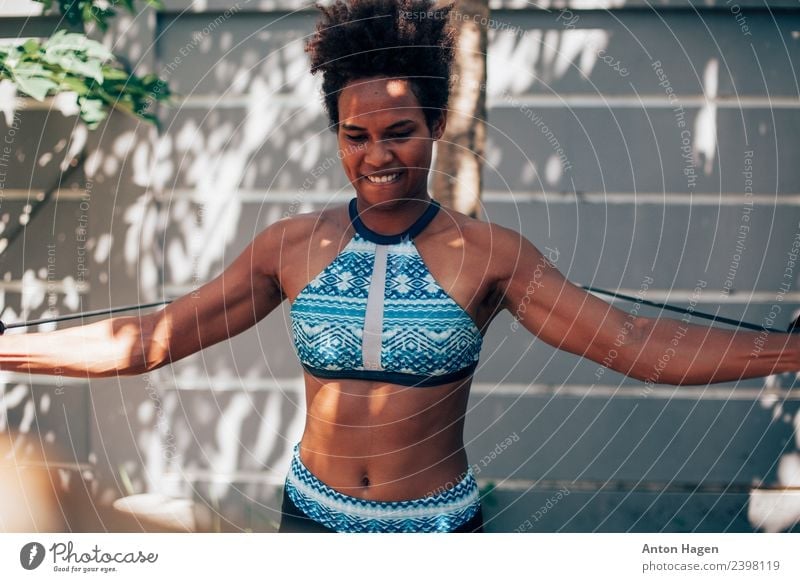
(382, 179)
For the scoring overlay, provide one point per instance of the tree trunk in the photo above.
(457, 179)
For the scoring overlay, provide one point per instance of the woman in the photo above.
(390, 298)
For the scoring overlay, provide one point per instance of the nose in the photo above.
(378, 154)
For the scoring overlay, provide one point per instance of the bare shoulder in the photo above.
(502, 246)
(301, 228)
(487, 233)
(509, 255)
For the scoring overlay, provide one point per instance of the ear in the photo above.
(439, 126)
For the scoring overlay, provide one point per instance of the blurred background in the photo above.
(646, 147)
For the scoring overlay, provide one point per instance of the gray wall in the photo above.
(592, 451)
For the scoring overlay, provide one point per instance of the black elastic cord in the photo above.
(4, 327)
(794, 326)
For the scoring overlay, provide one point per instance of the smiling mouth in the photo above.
(384, 179)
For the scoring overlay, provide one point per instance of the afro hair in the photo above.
(355, 39)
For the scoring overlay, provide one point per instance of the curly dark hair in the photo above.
(355, 39)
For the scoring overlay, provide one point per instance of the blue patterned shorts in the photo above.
(455, 509)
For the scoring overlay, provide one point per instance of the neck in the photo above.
(393, 216)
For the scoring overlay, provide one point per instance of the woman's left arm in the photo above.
(664, 351)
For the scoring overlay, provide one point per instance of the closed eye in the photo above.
(403, 135)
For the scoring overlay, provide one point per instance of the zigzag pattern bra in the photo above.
(376, 313)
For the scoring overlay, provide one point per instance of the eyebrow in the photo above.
(349, 127)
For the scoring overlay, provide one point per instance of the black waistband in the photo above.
(401, 378)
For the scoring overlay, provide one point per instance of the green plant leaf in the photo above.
(92, 111)
(113, 74)
(33, 79)
(69, 61)
(63, 42)
(75, 84)
(36, 87)
(31, 46)
(70, 64)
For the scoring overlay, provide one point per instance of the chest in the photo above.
(451, 265)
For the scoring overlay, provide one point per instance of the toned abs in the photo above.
(375, 440)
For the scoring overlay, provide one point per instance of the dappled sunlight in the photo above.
(8, 96)
(773, 510)
(775, 507)
(140, 244)
(224, 460)
(796, 431)
(12, 398)
(378, 403)
(267, 438)
(511, 62)
(78, 141)
(789, 470)
(577, 48)
(519, 62)
(33, 292)
(456, 243)
(554, 170)
(597, 4)
(705, 125)
(66, 104)
(582, 148)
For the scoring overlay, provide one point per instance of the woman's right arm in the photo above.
(243, 294)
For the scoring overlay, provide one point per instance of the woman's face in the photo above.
(385, 143)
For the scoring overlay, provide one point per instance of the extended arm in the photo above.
(663, 351)
(232, 302)
(674, 352)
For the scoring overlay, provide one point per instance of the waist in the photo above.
(443, 509)
(394, 475)
(402, 442)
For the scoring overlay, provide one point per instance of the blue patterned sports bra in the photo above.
(376, 313)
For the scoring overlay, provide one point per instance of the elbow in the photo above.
(155, 351)
(150, 364)
(657, 364)
(148, 353)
